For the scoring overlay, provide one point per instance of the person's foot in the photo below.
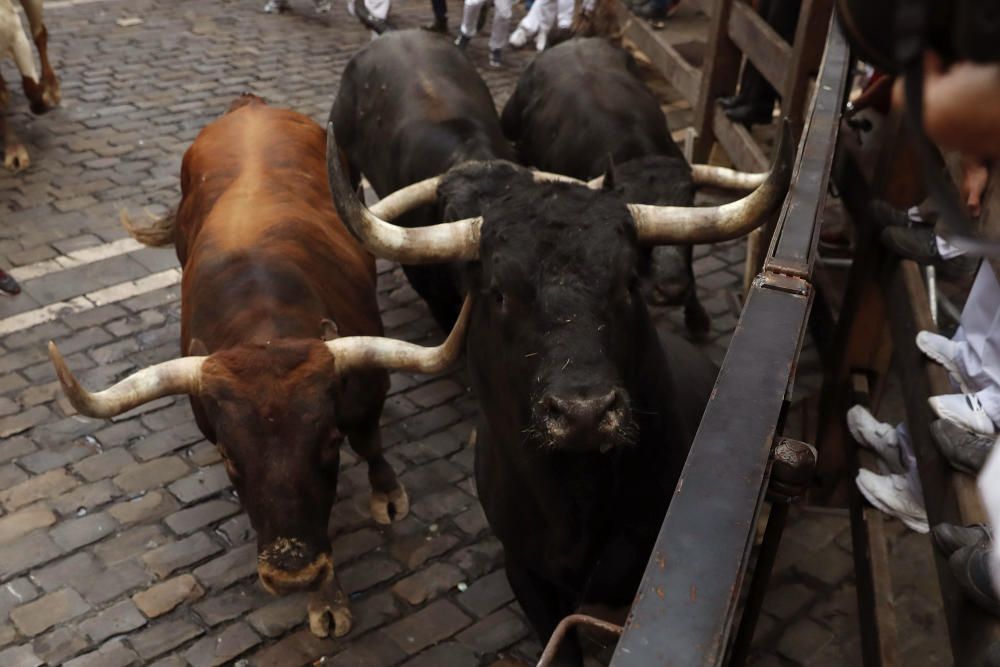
(749, 115)
(965, 410)
(277, 7)
(541, 40)
(322, 6)
(876, 435)
(893, 495)
(971, 571)
(949, 538)
(518, 38)
(731, 101)
(945, 352)
(885, 215)
(439, 24)
(462, 41)
(916, 243)
(8, 285)
(965, 451)
(496, 58)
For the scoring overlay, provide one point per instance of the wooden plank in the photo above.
(738, 143)
(678, 72)
(873, 578)
(719, 74)
(762, 46)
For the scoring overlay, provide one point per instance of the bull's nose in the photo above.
(581, 413)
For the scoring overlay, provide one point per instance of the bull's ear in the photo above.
(328, 329)
(609, 176)
(196, 348)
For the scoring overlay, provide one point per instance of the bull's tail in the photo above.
(157, 234)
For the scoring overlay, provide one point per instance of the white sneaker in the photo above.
(541, 39)
(945, 352)
(322, 6)
(965, 410)
(893, 495)
(518, 38)
(276, 6)
(875, 435)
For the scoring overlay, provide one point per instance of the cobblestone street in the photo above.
(122, 542)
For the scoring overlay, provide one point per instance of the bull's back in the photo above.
(410, 106)
(581, 102)
(259, 239)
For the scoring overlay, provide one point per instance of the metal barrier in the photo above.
(687, 602)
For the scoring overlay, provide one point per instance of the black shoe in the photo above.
(916, 243)
(748, 115)
(969, 567)
(965, 451)
(732, 101)
(949, 538)
(462, 41)
(439, 24)
(885, 215)
(8, 284)
(496, 58)
(650, 10)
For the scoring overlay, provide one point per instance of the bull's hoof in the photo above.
(697, 322)
(387, 508)
(322, 616)
(16, 158)
(51, 94)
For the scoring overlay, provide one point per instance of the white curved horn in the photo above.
(177, 376)
(360, 352)
(707, 175)
(668, 225)
(434, 244)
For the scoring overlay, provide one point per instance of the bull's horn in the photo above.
(435, 244)
(360, 352)
(177, 376)
(712, 224)
(706, 175)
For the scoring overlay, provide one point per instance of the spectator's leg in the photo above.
(470, 17)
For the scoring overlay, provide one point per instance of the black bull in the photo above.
(587, 414)
(581, 104)
(409, 107)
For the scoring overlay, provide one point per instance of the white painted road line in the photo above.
(76, 258)
(89, 301)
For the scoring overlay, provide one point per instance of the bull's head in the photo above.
(556, 272)
(273, 411)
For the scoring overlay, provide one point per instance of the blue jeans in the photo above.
(440, 8)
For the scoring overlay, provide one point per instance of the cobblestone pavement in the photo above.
(122, 542)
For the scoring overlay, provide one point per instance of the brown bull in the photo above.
(282, 329)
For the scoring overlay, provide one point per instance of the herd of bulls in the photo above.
(587, 413)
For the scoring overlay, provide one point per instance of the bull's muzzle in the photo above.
(598, 420)
(285, 566)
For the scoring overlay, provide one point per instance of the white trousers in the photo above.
(978, 339)
(501, 21)
(377, 8)
(546, 13)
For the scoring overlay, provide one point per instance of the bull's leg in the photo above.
(389, 500)
(50, 84)
(544, 605)
(695, 318)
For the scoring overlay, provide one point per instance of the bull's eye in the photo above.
(498, 298)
